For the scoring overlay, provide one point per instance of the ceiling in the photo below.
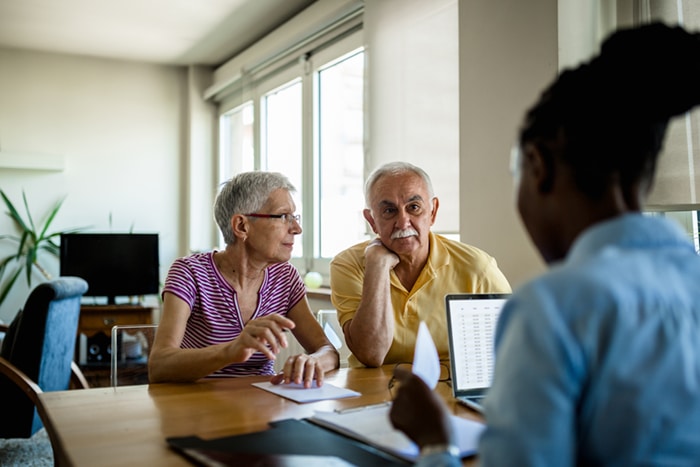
(180, 32)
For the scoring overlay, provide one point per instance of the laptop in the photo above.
(471, 325)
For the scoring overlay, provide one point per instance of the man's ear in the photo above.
(540, 162)
(368, 217)
(433, 215)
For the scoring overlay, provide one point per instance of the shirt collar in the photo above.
(629, 230)
(438, 255)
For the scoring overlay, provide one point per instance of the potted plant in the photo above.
(31, 242)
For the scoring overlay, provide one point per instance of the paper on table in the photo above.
(298, 393)
(372, 426)
(426, 361)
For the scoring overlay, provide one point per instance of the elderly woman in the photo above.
(226, 313)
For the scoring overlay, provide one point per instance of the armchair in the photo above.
(37, 355)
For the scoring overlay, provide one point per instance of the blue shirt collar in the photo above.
(632, 231)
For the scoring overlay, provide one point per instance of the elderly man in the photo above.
(385, 287)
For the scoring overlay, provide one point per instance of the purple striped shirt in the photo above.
(215, 316)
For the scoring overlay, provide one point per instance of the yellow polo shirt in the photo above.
(452, 267)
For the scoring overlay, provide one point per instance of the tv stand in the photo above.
(94, 336)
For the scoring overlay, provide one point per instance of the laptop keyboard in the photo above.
(473, 402)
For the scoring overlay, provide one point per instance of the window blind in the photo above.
(324, 22)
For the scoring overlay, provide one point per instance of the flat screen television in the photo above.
(113, 264)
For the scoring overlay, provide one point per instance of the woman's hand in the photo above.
(266, 335)
(300, 369)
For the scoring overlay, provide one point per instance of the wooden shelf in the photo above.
(322, 293)
(94, 337)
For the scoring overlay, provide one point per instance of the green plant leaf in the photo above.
(22, 243)
(4, 263)
(14, 238)
(8, 285)
(13, 212)
(29, 262)
(30, 243)
(51, 248)
(29, 214)
(10, 258)
(49, 219)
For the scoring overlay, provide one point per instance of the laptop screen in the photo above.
(471, 324)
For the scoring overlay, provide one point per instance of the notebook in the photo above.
(287, 443)
(471, 324)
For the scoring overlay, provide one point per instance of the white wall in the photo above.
(117, 126)
(449, 82)
(507, 55)
(413, 93)
(200, 174)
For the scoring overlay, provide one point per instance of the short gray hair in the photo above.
(246, 193)
(396, 168)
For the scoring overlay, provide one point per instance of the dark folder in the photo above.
(288, 443)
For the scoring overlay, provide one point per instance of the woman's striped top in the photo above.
(215, 316)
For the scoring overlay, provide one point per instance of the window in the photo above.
(281, 145)
(236, 132)
(307, 122)
(688, 220)
(340, 155)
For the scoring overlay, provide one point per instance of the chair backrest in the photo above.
(40, 342)
(131, 346)
(328, 319)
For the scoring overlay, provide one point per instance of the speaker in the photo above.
(98, 348)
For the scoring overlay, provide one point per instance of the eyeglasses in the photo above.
(288, 218)
(395, 384)
(516, 158)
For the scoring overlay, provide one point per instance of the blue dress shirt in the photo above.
(598, 360)
(444, 459)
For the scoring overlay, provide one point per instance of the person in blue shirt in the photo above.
(597, 360)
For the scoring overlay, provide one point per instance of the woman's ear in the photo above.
(539, 161)
(240, 226)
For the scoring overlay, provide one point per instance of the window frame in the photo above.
(306, 68)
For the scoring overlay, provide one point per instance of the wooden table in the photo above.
(128, 425)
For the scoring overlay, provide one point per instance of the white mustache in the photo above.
(404, 233)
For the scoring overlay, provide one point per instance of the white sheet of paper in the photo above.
(426, 361)
(373, 426)
(297, 393)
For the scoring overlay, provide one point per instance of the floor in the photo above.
(33, 452)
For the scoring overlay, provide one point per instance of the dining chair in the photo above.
(131, 346)
(37, 355)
